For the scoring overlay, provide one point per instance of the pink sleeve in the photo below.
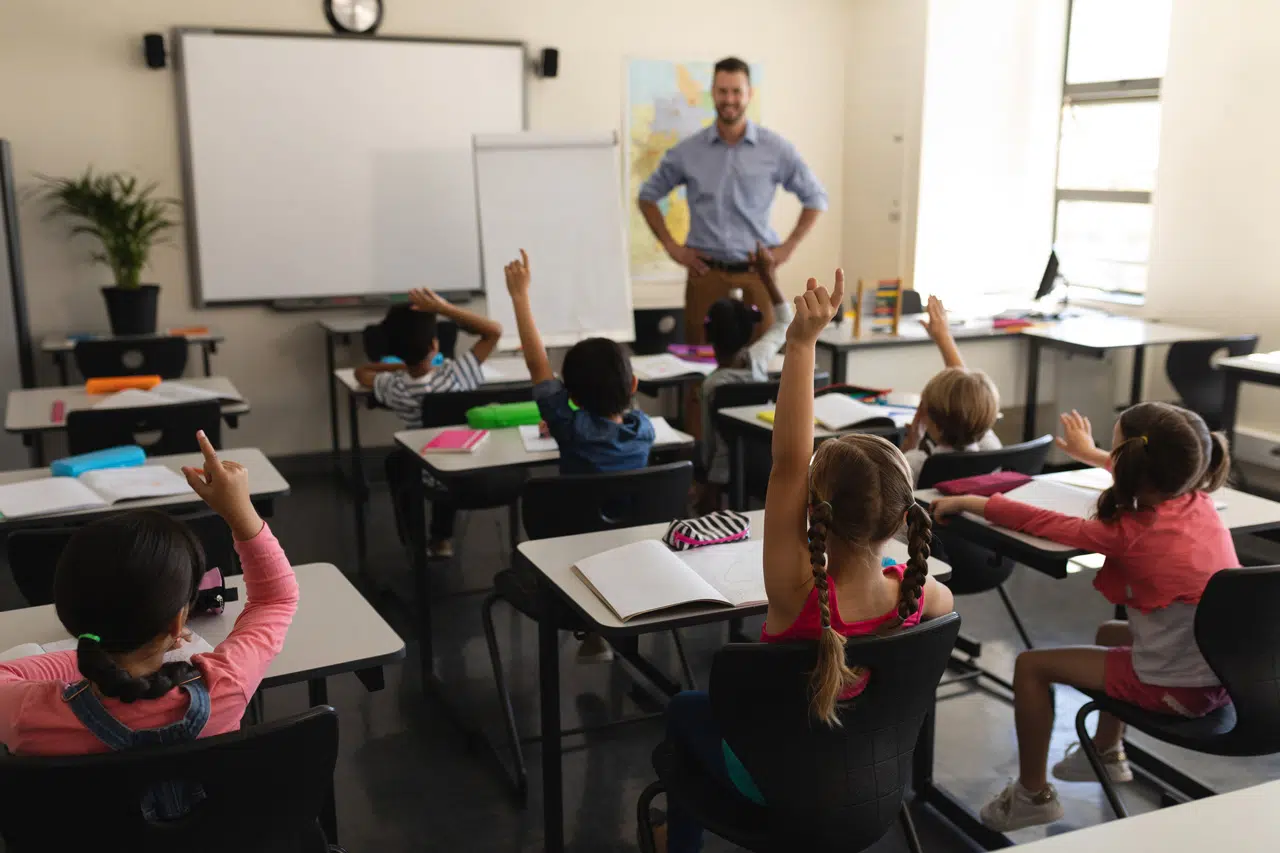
(271, 591)
(17, 677)
(1089, 534)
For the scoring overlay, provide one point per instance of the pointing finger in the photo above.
(210, 456)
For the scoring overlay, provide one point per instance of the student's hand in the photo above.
(687, 258)
(945, 507)
(517, 273)
(1077, 437)
(915, 432)
(427, 300)
(224, 486)
(544, 431)
(814, 310)
(936, 322)
(764, 261)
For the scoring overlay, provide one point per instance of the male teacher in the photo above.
(731, 170)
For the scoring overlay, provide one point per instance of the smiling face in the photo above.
(731, 91)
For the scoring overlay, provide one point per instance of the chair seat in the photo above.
(722, 812)
(1201, 734)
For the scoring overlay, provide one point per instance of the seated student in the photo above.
(730, 324)
(958, 406)
(825, 525)
(124, 586)
(408, 332)
(1163, 539)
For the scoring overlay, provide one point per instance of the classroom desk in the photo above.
(552, 562)
(839, 341)
(61, 348)
(265, 485)
(312, 651)
(740, 426)
(28, 411)
(1243, 513)
(1244, 819)
(1259, 368)
(655, 387)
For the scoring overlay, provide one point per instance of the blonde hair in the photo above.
(859, 488)
(962, 403)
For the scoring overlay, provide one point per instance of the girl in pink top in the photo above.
(1163, 540)
(825, 525)
(124, 586)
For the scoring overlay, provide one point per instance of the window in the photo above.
(1109, 143)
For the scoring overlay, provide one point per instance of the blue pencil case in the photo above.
(126, 456)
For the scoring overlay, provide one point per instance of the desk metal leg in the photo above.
(839, 362)
(1230, 408)
(333, 399)
(681, 392)
(206, 350)
(940, 799)
(359, 483)
(318, 694)
(60, 360)
(549, 694)
(737, 473)
(1139, 374)
(1033, 389)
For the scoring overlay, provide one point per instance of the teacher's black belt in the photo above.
(728, 266)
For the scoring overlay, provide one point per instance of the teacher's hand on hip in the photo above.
(687, 258)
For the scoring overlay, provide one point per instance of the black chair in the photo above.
(265, 786)
(825, 788)
(975, 569)
(163, 356)
(1239, 636)
(1201, 387)
(912, 302)
(176, 425)
(568, 505)
(33, 552)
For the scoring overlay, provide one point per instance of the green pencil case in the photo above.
(503, 415)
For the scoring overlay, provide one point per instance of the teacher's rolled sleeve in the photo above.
(665, 178)
(799, 180)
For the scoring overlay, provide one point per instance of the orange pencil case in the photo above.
(108, 384)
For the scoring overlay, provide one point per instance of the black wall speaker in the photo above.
(549, 64)
(153, 49)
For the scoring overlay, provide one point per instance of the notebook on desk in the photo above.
(837, 411)
(91, 490)
(197, 645)
(164, 394)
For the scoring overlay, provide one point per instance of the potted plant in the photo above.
(128, 220)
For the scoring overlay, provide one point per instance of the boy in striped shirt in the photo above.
(408, 332)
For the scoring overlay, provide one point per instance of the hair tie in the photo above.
(93, 637)
(1144, 440)
(819, 505)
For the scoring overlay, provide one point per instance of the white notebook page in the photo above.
(837, 411)
(1059, 497)
(736, 570)
(643, 577)
(143, 481)
(46, 495)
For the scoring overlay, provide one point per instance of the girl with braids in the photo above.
(825, 525)
(1162, 539)
(124, 587)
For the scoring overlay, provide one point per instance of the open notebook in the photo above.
(667, 366)
(197, 645)
(90, 490)
(162, 394)
(535, 442)
(1095, 480)
(646, 576)
(839, 411)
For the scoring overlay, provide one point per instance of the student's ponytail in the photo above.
(1215, 476)
(832, 676)
(1129, 470)
(112, 681)
(919, 535)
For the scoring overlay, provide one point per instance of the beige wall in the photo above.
(74, 91)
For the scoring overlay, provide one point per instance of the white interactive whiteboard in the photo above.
(560, 199)
(323, 166)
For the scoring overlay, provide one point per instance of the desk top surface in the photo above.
(499, 370)
(554, 558)
(313, 647)
(64, 343)
(1258, 363)
(1108, 333)
(352, 324)
(30, 409)
(750, 415)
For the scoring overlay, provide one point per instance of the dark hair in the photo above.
(597, 374)
(859, 489)
(732, 65)
(962, 403)
(406, 333)
(124, 579)
(1164, 451)
(729, 324)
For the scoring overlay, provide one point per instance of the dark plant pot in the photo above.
(132, 311)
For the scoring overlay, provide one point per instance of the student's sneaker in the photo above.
(1075, 766)
(1017, 808)
(594, 650)
(440, 549)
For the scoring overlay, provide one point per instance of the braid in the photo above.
(832, 676)
(819, 523)
(919, 535)
(98, 667)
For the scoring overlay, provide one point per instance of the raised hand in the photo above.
(426, 300)
(1077, 437)
(936, 320)
(518, 277)
(224, 486)
(814, 310)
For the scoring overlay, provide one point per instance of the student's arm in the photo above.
(1077, 440)
(941, 333)
(490, 331)
(762, 351)
(1090, 534)
(535, 354)
(366, 374)
(938, 600)
(797, 178)
(786, 566)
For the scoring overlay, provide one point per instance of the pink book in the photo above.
(456, 441)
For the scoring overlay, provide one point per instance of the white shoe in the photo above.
(1015, 808)
(594, 650)
(1075, 766)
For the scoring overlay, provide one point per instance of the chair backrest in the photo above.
(33, 552)
(450, 408)
(585, 503)
(1190, 369)
(177, 424)
(912, 302)
(1239, 635)
(164, 356)
(830, 788)
(742, 394)
(1027, 457)
(264, 785)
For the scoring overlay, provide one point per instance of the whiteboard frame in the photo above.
(177, 34)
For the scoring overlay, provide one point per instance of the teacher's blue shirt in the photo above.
(731, 188)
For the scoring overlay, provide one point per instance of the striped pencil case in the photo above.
(716, 528)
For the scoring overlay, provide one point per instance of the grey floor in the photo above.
(406, 781)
